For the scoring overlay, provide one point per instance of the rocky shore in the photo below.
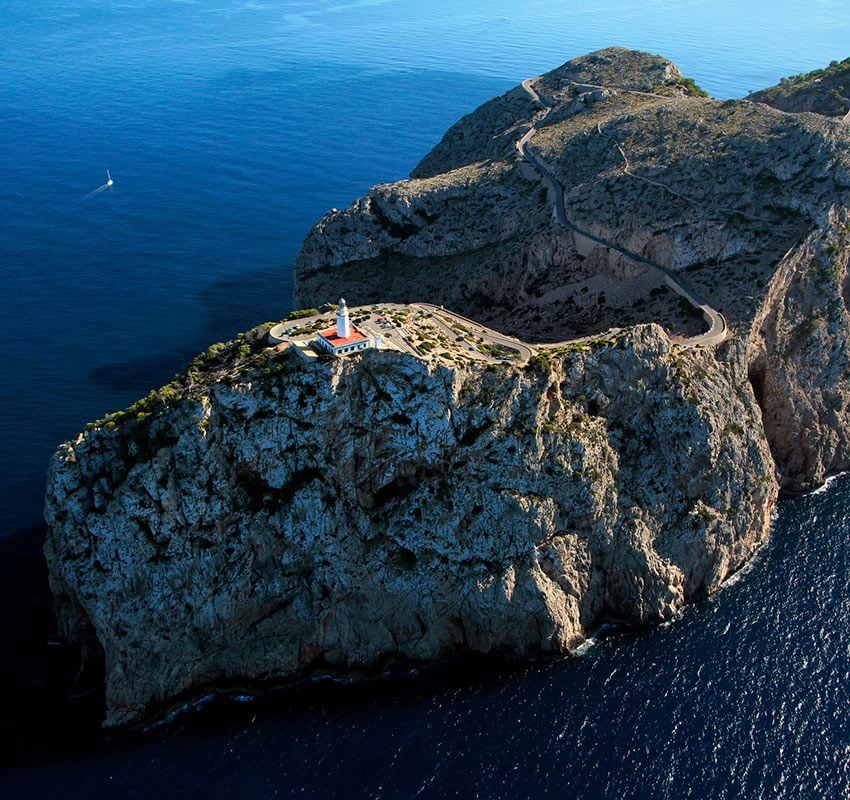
(263, 518)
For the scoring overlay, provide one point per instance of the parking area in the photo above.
(417, 329)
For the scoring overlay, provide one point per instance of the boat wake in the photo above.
(100, 189)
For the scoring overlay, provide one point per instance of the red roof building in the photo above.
(344, 338)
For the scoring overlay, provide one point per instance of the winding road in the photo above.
(488, 334)
(718, 329)
(716, 333)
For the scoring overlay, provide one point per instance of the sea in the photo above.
(229, 127)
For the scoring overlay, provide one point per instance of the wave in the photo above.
(824, 487)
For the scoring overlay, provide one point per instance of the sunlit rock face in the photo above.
(265, 518)
(330, 516)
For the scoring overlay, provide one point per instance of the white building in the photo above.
(344, 338)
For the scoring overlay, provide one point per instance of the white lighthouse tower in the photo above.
(344, 338)
(343, 323)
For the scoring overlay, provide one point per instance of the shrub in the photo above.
(690, 86)
(303, 312)
(539, 361)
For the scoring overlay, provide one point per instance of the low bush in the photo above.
(302, 312)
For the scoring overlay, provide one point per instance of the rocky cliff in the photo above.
(263, 518)
(822, 91)
(745, 202)
(331, 516)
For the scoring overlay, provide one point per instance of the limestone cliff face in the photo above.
(265, 518)
(799, 353)
(331, 516)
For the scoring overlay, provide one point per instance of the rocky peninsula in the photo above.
(676, 268)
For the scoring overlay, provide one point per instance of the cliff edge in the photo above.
(267, 517)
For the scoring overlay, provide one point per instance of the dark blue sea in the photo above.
(229, 127)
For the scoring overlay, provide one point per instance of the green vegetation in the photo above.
(588, 345)
(311, 328)
(216, 364)
(302, 312)
(497, 351)
(690, 86)
(834, 68)
(540, 361)
(692, 89)
(824, 91)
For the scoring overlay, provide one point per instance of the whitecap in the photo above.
(824, 487)
(584, 646)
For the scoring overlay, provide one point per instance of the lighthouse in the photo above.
(345, 338)
(343, 322)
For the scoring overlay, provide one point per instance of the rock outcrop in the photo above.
(264, 518)
(745, 201)
(722, 189)
(331, 516)
(823, 91)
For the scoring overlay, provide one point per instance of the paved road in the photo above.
(718, 329)
(490, 336)
(716, 333)
(528, 85)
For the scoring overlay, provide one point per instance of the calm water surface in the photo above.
(230, 126)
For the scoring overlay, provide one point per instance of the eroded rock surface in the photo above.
(328, 516)
(747, 202)
(265, 518)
